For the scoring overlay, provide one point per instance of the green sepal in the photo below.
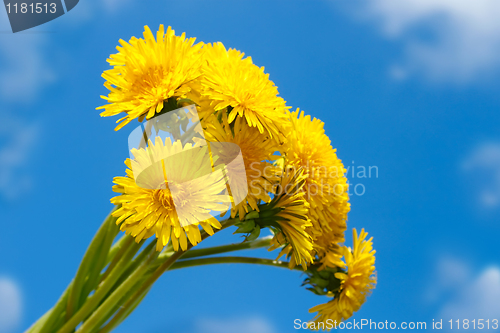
(245, 227)
(185, 101)
(254, 234)
(319, 281)
(322, 281)
(252, 215)
(317, 290)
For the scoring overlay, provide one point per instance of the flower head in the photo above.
(146, 72)
(291, 218)
(354, 285)
(258, 176)
(235, 84)
(308, 147)
(169, 191)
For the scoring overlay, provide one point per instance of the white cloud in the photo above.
(241, 325)
(398, 73)
(24, 65)
(115, 5)
(444, 40)
(479, 299)
(463, 293)
(10, 305)
(17, 141)
(23, 68)
(483, 167)
(451, 273)
(86, 11)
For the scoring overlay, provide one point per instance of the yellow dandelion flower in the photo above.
(292, 219)
(308, 147)
(146, 72)
(204, 104)
(236, 84)
(169, 191)
(327, 248)
(258, 175)
(355, 285)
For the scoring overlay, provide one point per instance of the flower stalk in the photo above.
(119, 276)
(230, 260)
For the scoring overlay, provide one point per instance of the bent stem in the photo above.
(231, 260)
(204, 252)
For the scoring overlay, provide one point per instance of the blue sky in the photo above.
(411, 87)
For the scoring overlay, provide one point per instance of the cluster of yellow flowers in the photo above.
(296, 182)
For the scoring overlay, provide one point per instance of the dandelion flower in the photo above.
(292, 220)
(355, 285)
(146, 72)
(169, 191)
(308, 147)
(258, 175)
(243, 89)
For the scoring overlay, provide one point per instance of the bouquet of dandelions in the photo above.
(216, 147)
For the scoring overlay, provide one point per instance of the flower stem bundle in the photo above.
(216, 148)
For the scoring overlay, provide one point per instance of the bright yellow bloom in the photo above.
(292, 220)
(146, 72)
(171, 208)
(258, 175)
(355, 285)
(308, 147)
(236, 84)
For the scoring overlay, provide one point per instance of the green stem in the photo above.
(92, 302)
(123, 244)
(55, 313)
(119, 317)
(75, 293)
(230, 260)
(258, 243)
(189, 133)
(139, 259)
(40, 322)
(139, 294)
(88, 272)
(103, 310)
(99, 263)
(117, 247)
(132, 302)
